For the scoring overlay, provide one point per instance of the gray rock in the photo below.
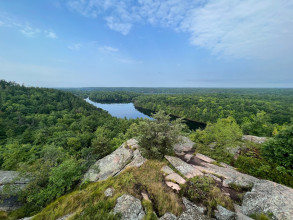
(235, 151)
(168, 216)
(240, 216)
(192, 215)
(230, 175)
(137, 160)
(131, 144)
(65, 217)
(184, 145)
(269, 197)
(109, 192)
(184, 168)
(167, 170)
(26, 218)
(10, 185)
(111, 165)
(129, 207)
(224, 214)
(254, 139)
(192, 207)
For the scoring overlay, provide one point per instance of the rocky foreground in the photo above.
(260, 196)
(263, 196)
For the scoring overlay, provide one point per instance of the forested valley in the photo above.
(260, 112)
(53, 137)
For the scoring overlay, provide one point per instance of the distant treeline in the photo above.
(258, 111)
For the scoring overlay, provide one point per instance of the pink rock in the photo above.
(188, 156)
(176, 178)
(145, 196)
(204, 158)
(173, 185)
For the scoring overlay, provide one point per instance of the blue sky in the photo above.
(145, 43)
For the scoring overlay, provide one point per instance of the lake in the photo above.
(120, 110)
(128, 110)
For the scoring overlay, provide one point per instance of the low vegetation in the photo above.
(268, 161)
(91, 201)
(203, 190)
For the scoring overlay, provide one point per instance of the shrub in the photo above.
(224, 132)
(203, 190)
(157, 137)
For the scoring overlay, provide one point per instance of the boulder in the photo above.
(109, 192)
(269, 197)
(173, 186)
(109, 165)
(184, 168)
(235, 151)
(129, 207)
(191, 206)
(185, 145)
(255, 139)
(167, 170)
(11, 181)
(176, 178)
(168, 216)
(131, 144)
(224, 214)
(126, 156)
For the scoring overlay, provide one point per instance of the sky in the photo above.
(147, 43)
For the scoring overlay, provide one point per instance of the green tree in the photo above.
(279, 149)
(157, 137)
(258, 125)
(224, 132)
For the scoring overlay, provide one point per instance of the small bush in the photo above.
(157, 137)
(203, 190)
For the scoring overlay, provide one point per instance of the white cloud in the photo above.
(50, 34)
(28, 31)
(109, 49)
(228, 28)
(115, 25)
(75, 47)
(25, 28)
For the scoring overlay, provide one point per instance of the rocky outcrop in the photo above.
(185, 145)
(168, 216)
(126, 156)
(269, 197)
(10, 185)
(184, 168)
(192, 212)
(129, 207)
(255, 139)
(224, 214)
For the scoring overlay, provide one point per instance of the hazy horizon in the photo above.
(171, 43)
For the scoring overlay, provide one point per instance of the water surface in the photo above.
(120, 110)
